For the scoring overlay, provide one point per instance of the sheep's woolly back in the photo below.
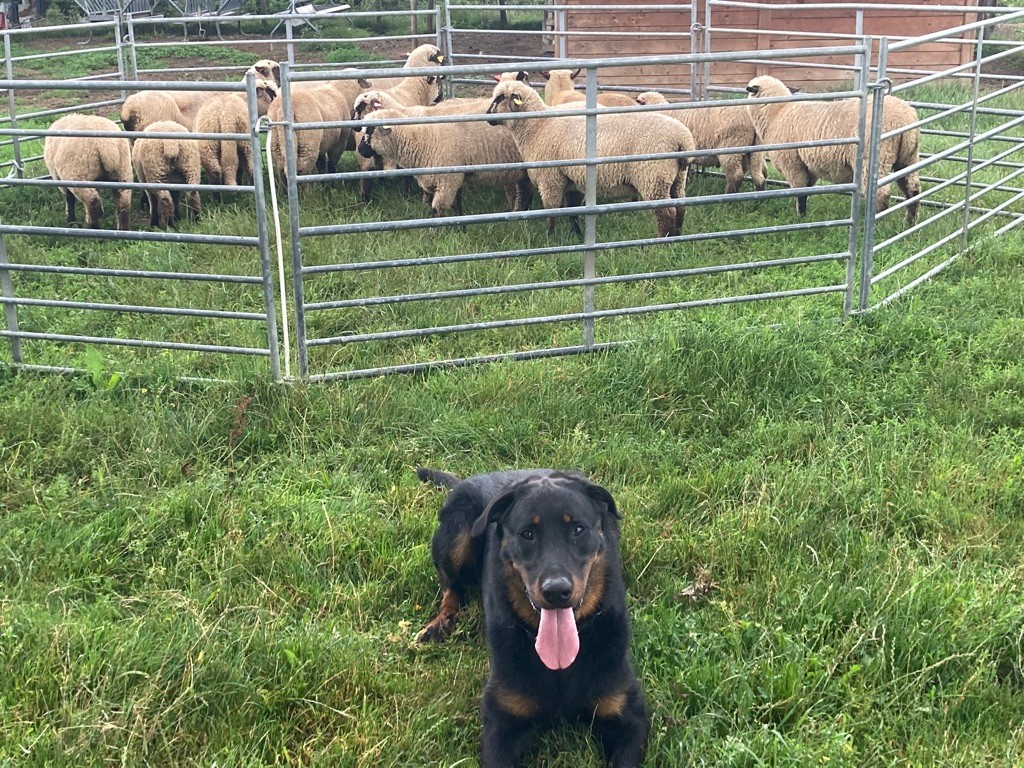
(90, 158)
(308, 144)
(446, 144)
(782, 123)
(167, 161)
(620, 134)
(87, 158)
(144, 108)
(718, 127)
(226, 161)
(561, 90)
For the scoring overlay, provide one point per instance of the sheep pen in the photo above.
(382, 285)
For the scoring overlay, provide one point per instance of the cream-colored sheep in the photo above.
(84, 158)
(407, 92)
(147, 107)
(310, 144)
(783, 123)
(229, 161)
(167, 161)
(719, 127)
(439, 145)
(620, 134)
(561, 89)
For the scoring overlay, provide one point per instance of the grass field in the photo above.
(234, 574)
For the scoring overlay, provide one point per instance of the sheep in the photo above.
(83, 158)
(431, 146)
(310, 144)
(782, 123)
(407, 92)
(560, 89)
(147, 107)
(619, 134)
(229, 162)
(167, 161)
(720, 127)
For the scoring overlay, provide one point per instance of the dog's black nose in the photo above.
(557, 591)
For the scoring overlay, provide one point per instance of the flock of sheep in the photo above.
(660, 136)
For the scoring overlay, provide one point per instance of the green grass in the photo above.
(235, 574)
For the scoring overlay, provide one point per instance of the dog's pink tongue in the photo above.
(557, 640)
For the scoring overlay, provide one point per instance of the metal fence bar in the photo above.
(10, 310)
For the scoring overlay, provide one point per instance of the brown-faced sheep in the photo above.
(84, 158)
(719, 127)
(229, 161)
(561, 89)
(432, 146)
(620, 134)
(167, 161)
(782, 123)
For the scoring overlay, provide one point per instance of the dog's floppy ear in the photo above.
(601, 498)
(495, 511)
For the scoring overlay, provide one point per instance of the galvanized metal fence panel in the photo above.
(27, 266)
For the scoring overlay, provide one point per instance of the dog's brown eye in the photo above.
(527, 534)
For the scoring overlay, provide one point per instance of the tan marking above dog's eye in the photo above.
(536, 519)
(566, 518)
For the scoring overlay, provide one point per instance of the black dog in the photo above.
(544, 546)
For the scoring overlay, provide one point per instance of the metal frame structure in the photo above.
(322, 351)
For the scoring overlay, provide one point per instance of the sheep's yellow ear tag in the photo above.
(517, 101)
(440, 58)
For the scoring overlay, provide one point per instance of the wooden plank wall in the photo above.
(638, 32)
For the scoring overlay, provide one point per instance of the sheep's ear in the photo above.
(384, 130)
(640, 100)
(496, 77)
(364, 83)
(517, 103)
(753, 89)
(575, 74)
(795, 90)
(545, 74)
(523, 77)
(431, 79)
(277, 75)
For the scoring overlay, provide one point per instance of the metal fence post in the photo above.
(119, 45)
(12, 109)
(291, 174)
(260, 201)
(10, 309)
(590, 200)
(858, 59)
(863, 77)
(695, 31)
(978, 55)
(878, 91)
(443, 24)
(133, 58)
(706, 78)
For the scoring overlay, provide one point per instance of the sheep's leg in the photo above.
(175, 207)
(574, 199)
(122, 208)
(69, 205)
(164, 208)
(192, 203)
(93, 207)
(802, 180)
(524, 195)
(732, 167)
(679, 191)
(755, 164)
(910, 186)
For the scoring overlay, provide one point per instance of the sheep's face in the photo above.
(523, 77)
(366, 102)
(268, 69)
(766, 87)
(651, 97)
(266, 92)
(510, 96)
(375, 139)
(424, 56)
